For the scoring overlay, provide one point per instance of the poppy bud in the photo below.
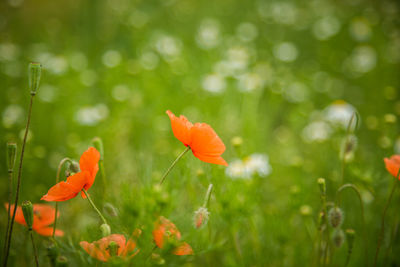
(110, 210)
(200, 217)
(74, 167)
(236, 141)
(350, 235)
(322, 185)
(11, 155)
(338, 237)
(113, 248)
(98, 144)
(61, 261)
(27, 210)
(335, 216)
(105, 230)
(35, 71)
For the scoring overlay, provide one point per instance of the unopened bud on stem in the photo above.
(338, 237)
(105, 230)
(335, 217)
(27, 210)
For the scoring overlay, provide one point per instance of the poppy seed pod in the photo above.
(113, 248)
(338, 237)
(335, 217)
(201, 217)
(35, 71)
(11, 155)
(105, 230)
(61, 261)
(98, 144)
(27, 210)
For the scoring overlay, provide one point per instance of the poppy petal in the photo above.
(393, 164)
(19, 216)
(180, 127)
(184, 249)
(206, 145)
(48, 231)
(94, 251)
(67, 190)
(43, 215)
(89, 163)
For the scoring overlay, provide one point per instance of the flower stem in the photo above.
(60, 165)
(19, 178)
(383, 219)
(10, 176)
(94, 206)
(34, 248)
(173, 164)
(208, 196)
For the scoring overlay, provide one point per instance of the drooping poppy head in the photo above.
(100, 249)
(165, 231)
(200, 137)
(393, 165)
(83, 179)
(43, 216)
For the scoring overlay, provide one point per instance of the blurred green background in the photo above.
(284, 76)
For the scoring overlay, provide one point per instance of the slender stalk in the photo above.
(10, 175)
(338, 199)
(348, 130)
(208, 196)
(60, 165)
(380, 238)
(94, 206)
(34, 248)
(173, 164)
(19, 179)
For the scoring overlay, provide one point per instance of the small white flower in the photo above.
(339, 113)
(255, 164)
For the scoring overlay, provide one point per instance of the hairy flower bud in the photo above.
(11, 155)
(105, 230)
(201, 217)
(322, 185)
(110, 210)
(335, 216)
(27, 210)
(74, 167)
(35, 71)
(338, 237)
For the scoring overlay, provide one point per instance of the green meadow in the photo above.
(296, 91)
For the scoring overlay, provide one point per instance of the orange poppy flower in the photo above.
(200, 137)
(393, 165)
(100, 249)
(43, 216)
(166, 231)
(84, 179)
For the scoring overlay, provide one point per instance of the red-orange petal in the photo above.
(66, 190)
(206, 145)
(393, 164)
(43, 215)
(19, 216)
(180, 127)
(184, 249)
(165, 230)
(48, 231)
(89, 163)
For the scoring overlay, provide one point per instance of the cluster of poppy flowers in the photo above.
(200, 138)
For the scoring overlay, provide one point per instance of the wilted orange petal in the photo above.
(67, 190)
(94, 251)
(393, 164)
(184, 249)
(180, 127)
(89, 163)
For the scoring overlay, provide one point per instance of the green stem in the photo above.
(10, 175)
(60, 165)
(355, 189)
(348, 130)
(208, 196)
(34, 248)
(19, 178)
(173, 164)
(380, 238)
(94, 206)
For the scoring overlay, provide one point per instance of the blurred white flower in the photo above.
(91, 115)
(169, 47)
(149, 60)
(208, 35)
(250, 81)
(326, 27)
(111, 58)
(339, 113)
(8, 52)
(317, 131)
(214, 83)
(11, 115)
(285, 51)
(362, 60)
(247, 32)
(296, 92)
(250, 166)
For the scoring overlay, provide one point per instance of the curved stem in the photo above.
(19, 179)
(10, 175)
(60, 165)
(173, 164)
(380, 238)
(208, 196)
(355, 189)
(34, 248)
(94, 206)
